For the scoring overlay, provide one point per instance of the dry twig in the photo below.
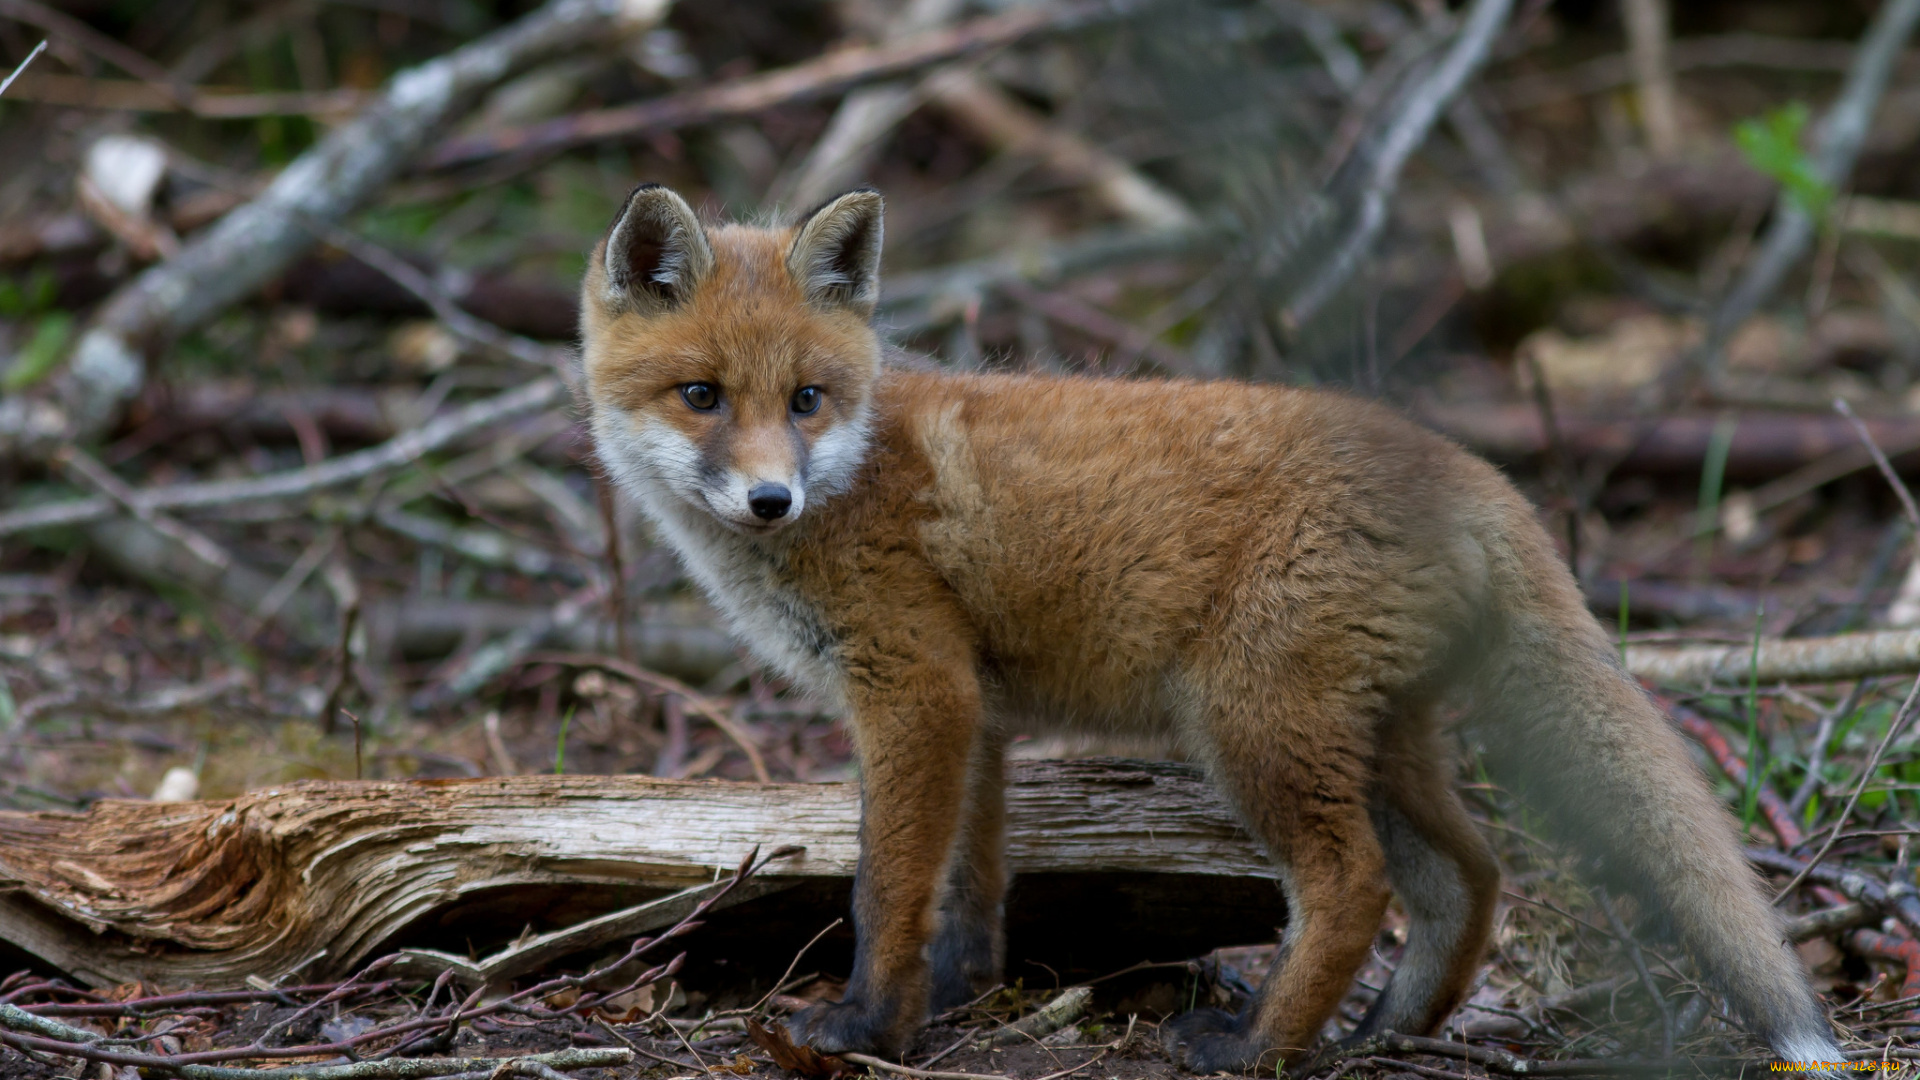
(398, 452)
(1378, 175)
(22, 66)
(810, 81)
(258, 240)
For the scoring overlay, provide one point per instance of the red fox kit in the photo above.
(1285, 582)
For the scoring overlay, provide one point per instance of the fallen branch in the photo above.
(913, 302)
(1377, 171)
(1900, 899)
(830, 74)
(1788, 660)
(400, 451)
(488, 662)
(1901, 950)
(98, 476)
(863, 119)
(37, 1032)
(137, 96)
(256, 241)
(1779, 818)
(1013, 126)
(1816, 924)
(1764, 443)
(1071, 1005)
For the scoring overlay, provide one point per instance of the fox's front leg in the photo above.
(915, 718)
(969, 949)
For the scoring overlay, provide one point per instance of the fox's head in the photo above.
(731, 368)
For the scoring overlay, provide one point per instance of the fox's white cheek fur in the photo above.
(649, 460)
(839, 453)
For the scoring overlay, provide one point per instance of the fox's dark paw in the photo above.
(839, 1027)
(1207, 1041)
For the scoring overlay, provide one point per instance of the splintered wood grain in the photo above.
(316, 876)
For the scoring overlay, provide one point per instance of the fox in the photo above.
(1287, 584)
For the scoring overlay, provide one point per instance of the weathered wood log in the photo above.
(1115, 861)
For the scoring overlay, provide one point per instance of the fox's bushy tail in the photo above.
(1584, 744)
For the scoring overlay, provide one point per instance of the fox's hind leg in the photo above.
(1298, 766)
(970, 946)
(1445, 875)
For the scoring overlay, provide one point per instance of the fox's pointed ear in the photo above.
(656, 252)
(836, 253)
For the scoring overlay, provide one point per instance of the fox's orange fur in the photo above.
(1286, 582)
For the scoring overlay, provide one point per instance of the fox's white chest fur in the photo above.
(746, 581)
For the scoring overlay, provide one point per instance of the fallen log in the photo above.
(1115, 861)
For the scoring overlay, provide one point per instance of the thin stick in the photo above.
(617, 589)
(683, 1042)
(1648, 35)
(1667, 1023)
(395, 453)
(777, 983)
(965, 1038)
(1823, 736)
(1842, 132)
(37, 50)
(1894, 727)
(99, 476)
(833, 73)
(463, 325)
(346, 591)
(79, 34)
(1419, 107)
(1880, 459)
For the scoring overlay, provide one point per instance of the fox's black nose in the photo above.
(769, 501)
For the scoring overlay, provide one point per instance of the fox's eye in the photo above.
(806, 399)
(702, 396)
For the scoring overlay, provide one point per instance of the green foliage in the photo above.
(560, 746)
(43, 350)
(1771, 144)
(31, 297)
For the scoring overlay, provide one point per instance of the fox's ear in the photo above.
(836, 253)
(656, 252)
